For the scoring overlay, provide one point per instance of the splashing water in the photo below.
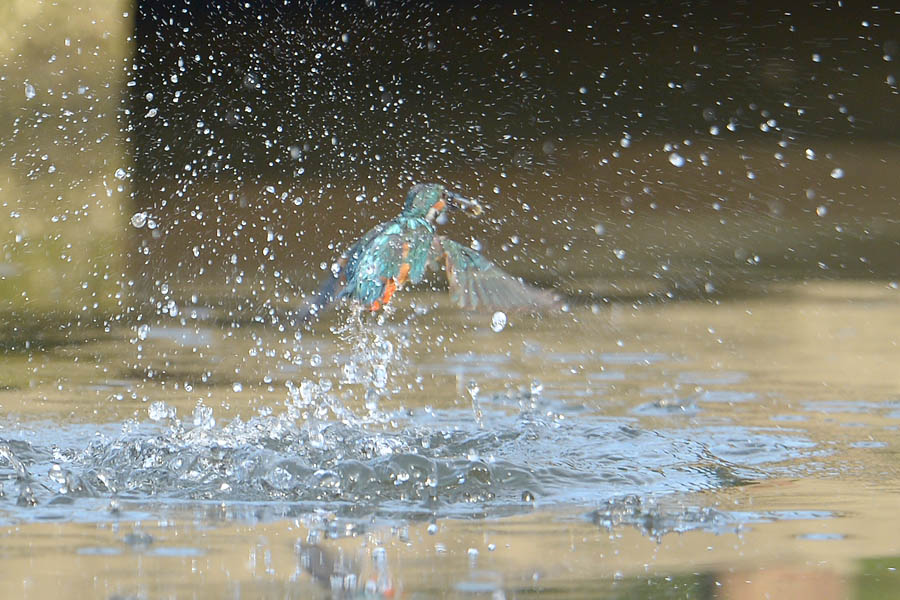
(521, 448)
(373, 356)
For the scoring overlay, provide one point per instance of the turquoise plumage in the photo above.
(400, 251)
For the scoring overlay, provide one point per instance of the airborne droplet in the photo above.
(139, 219)
(498, 321)
(676, 159)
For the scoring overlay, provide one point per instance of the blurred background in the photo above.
(712, 186)
(222, 153)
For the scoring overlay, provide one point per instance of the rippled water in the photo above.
(488, 440)
(712, 192)
(662, 419)
(525, 452)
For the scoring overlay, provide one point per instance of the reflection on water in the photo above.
(664, 419)
(339, 439)
(715, 413)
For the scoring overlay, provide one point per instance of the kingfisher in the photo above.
(400, 251)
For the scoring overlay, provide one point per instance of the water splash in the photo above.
(369, 356)
(527, 451)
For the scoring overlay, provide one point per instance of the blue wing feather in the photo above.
(475, 282)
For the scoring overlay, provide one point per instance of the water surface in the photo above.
(652, 448)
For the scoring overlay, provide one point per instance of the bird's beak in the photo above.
(470, 207)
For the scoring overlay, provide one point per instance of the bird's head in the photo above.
(431, 200)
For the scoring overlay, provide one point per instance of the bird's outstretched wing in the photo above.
(475, 282)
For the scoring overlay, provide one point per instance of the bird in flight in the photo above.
(400, 251)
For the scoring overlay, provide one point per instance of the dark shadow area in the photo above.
(620, 150)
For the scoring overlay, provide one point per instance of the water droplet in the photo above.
(676, 159)
(822, 210)
(307, 390)
(203, 417)
(371, 400)
(817, 58)
(810, 154)
(379, 377)
(237, 386)
(56, 474)
(498, 321)
(713, 130)
(620, 254)
(599, 229)
(29, 91)
(315, 360)
(158, 411)
(625, 142)
(139, 219)
(837, 173)
(143, 331)
(26, 496)
(432, 528)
